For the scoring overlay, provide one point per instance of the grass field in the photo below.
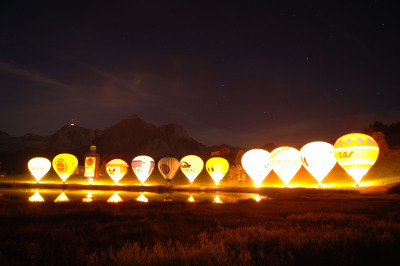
(294, 227)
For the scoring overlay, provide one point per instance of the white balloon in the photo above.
(191, 166)
(256, 163)
(143, 166)
(286, 162)
(318, 158)
(168, 167)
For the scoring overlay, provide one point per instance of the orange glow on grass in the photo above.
(191, 199)
(217, 199)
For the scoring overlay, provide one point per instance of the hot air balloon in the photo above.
(168, 167)
(286, 162)
(256, 163)
(217, 167)
(143, 167)
(191, 166)
(39, 167)
(142, 198)
(116, 169)
(65, 164)
(317, 157)
(115, 198)
(36, 197)
(356, 153)
(62, 198)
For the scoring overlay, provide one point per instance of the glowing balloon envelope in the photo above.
(191, 166)
(39, 167)
(286, 162)
(168, 167)
(256, 163)
(65, 164)
(116, 169)
(356, 153)
(317, 157)
(217, 167)
(62, 198)
(143, 166)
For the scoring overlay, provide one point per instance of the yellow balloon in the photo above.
(65, 164)
(39, 167)
(356, 153)
(286, 162)
(191, 166)
(317, 157)
(217, 168)
(116, 169)
(256, 163)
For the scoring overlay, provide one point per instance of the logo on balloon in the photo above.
(164, 169)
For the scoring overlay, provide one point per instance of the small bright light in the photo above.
(65, 164)
(217, 199)
(217, 167)
(39, 167)
(88, 198)
(142, 198)
(191, 199)
(115, 198)
(62, 198)
(257, 198)
(36, 197)
(143, 166)
(90, 181)
(191, 166)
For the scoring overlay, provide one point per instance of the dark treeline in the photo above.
(391, 132)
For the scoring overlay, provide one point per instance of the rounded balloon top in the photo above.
(256, 163)
(168, 167)
(355, 140)
(217, 167)
(65, 164)
(356, 153)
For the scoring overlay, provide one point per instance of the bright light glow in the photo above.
(168, 167)
(115, 198)
(36, 197)
(62, 198)
(317, 157)
(143, 166)
(286, 162)
(116, 169)
(90, 181)
(356, 153)
(65, 164)
(142, 198)
(39, 167)
(217, 167)
(191, 199)
(217, 199)
(256, 163)
(191, 166)
(88, 198)
(257, 198)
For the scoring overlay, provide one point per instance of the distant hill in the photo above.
(128, 138)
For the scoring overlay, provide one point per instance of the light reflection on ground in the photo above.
(88, 196)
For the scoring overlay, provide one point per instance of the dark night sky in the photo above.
(228, 71)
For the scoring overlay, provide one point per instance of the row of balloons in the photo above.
(355, 152)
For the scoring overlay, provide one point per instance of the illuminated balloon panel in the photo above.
(65, 164)
(168, 167)
(356, 153)
(191, 166)
(116, 169)
(317, 157)
(286, 162)
(143, 166)
(217, 167)
(256, 163)
(39, 167)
